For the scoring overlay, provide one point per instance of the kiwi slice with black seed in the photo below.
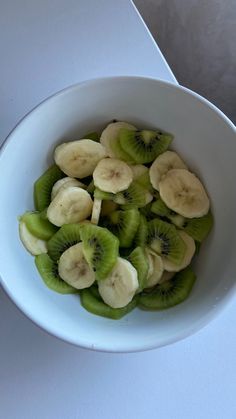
(108, 207)
(144, 146)
(163, 238)
(134, 196)
(142, 232)
(92, 136)
(100, 248)
(48, 270)
(169, 293)
(199, 228)
(146, 211)
(68, 235)
(159, 208)
(38, 226)
(139, 261)
(95, 305)
(43, 187)
(123, 224)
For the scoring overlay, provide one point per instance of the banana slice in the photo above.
(70, 205)
(74, 269)
(64, 183)
(111, 133)
(112, 175)
(190, 250)
(183, 192)
(79, 158)
(97, 204)
(163, 163)
(34, 245)
(118, 289)
(158, 269)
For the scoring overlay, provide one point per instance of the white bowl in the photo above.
(206, 140)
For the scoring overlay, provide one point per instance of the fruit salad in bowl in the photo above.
(117, 235)
(118, 218)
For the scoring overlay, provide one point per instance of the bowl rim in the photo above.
(104, 347)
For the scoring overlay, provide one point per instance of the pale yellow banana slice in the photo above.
(162, 164)
(97, 204)
(138, 170)
(65, 183)
(111, 133)
(158, 269)
(112, 175)
(190, 250)
(71, 205)
(118, 289)
(34, 245)
(79, 158)
(74, 269)
(166, 276)
(183, 192)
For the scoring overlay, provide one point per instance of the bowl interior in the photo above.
(206, 141)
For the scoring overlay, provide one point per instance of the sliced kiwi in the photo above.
(94, 291)
(146, 211)
(198, 247)
(123, 224)
(144, 180)
(43, 214)
(142, 232)
(163, 238)
(108, 207)
(134, 196)
(199, 228)
(43, 187)
(169, 293)
(48, 270)
(159, 208)
(144, 146)
(120, 153)
(100, 247)
(92, 136)
(67, 236)
(94, 305)
(38, 226)
(139, 261)
(91, 187)
(104, 196)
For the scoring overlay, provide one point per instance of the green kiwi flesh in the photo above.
(68, 235)
(43, 187)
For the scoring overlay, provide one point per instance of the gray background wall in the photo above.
(198, 39)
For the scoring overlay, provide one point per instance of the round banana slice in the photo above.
(118, 289)
(97, 204)
(64, 183)
(34, 245)
(111, 133)
(162, 164)
(183, 193)
(112, 175)
(70, 205)
(79, 158)
(158, 269)
(190, 250)
(74, 269)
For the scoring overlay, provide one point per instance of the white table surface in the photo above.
(45, 46)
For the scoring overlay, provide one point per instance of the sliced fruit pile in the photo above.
(118, 218)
